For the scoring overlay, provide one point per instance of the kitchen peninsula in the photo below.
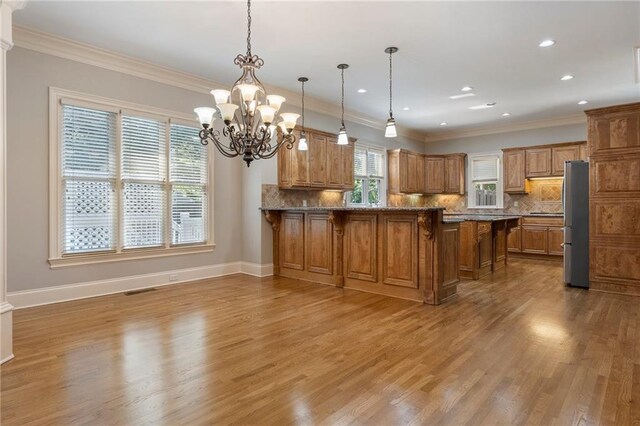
(409, 253)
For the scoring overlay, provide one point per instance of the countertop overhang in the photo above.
(354, 209)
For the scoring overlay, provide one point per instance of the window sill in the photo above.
(134, 254)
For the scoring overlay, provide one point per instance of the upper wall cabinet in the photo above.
(406, 172)
(434, 174)
(514, 171)
(454, 173)
(538, 162)
(521, 164)
(561, 154)
(412, 173)
(326, 165)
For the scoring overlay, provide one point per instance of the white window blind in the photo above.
(485, 168)
(375, 164)
(88, 179)
(143, 177)
(360, 162)
(129, 182)
(188, 186)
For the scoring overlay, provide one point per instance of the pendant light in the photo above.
(302, 142)
(343, 139)
(390, 129)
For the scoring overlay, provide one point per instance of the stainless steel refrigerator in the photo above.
(575, 203)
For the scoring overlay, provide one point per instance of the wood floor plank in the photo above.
(516, 347)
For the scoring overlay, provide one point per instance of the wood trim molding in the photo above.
(527, 125)
(87, 54)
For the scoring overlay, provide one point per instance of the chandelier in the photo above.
(248, 113)
(390, 129)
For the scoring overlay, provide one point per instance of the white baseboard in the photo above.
(45, 296)
(256, 269)
(6, 332)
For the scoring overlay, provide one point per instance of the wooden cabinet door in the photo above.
(538, 162)
(317, 159)
(454, 174)
(514, 173)
(284, 166)
(584, 151)
(534, 239)
(555, 239)
(514, 240)
(561, 154)
(299, 164)
(346, 159)
(334, 163)
(412, 173)
(403, 172)
(420, 175)
(434, 173)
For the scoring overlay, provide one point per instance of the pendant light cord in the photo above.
(249, 28)
(390, 85)
(303, 106)
(342, 97)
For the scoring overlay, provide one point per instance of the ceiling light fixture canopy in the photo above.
(343, 139)
(302, 142)
(390, 129)
(249, 118)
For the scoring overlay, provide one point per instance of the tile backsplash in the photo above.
(544, 196)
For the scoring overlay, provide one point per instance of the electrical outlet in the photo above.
(173, 277)
(515, 204)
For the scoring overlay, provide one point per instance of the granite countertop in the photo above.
(479, 217)
(449, 219)
(544, 214)
(349, 209)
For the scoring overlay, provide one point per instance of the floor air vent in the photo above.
(133, 292)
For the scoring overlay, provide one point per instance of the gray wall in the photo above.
(29, 75)
(486, 143)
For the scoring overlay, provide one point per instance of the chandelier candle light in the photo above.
(390, 129)
(343, 139)
(253, 138)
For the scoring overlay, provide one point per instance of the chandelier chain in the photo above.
(303, 106)
(249, 28)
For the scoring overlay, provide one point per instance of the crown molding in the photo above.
(527, 125)
(91, 55)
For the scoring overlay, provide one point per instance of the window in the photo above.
(485, 180)
(369, 187)
(126, 183)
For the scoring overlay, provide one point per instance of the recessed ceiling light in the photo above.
(467, 89)
(547, 43)
(582, 102)
(362, 90)
(464, 95)
(505, 114)
(483, 106)
(444, 123)
(406, 109)
(566, 77)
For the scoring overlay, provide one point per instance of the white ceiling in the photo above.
(492, 46)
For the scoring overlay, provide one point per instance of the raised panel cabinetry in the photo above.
(514, 171)
(561, 154)
(434, 174)
(537, 236)
(614, 199)
(454, 174)
(412, 173)
(537, 162)
(325, 165)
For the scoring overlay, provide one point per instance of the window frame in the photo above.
(57, 258)
(471, 190)
(365, 186)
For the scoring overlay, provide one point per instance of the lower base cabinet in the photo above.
(537, 236)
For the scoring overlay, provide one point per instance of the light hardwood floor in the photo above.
(514, 348)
